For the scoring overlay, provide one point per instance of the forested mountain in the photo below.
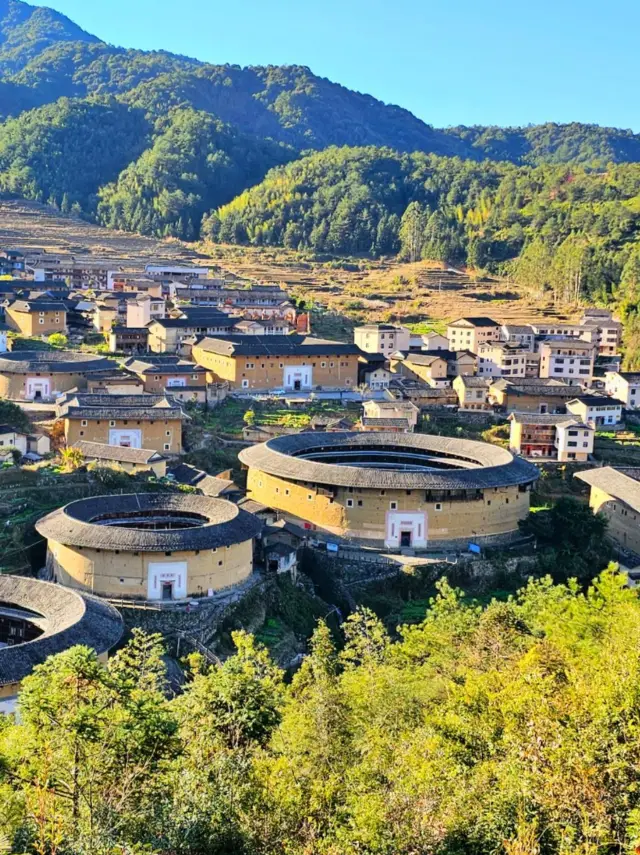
(153, 141)
(547, 224)
(195, 163)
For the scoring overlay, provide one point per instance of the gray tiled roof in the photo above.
(382, 421)
(86, 405)
(481, 465)
(224, 523)
(547, 419)
(54, 361)
(102, 451)
(276, 345)
(617, 483)
(68, 617)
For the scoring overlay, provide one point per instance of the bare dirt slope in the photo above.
(361, 290)
(28, 225)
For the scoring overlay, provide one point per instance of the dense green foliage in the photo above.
(567, 228)
(511, 729)
(63, 153)
(194, 164)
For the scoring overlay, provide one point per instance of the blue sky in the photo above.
(506, 62)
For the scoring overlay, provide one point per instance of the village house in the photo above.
(274, 326)
(144, 309)
(470, 333)
(519, 334)
(130, 459)
(381, 338)
(530, 395)
(392, 416)
(182, 273)
(562, 438)
(167, 373)
(279, 362)
(105, 316)
(214, 486)
(10, 437)
(167, 334)
(596, 410)
(128, 340)
(430, 368)
(472, 392)
(615, 493)
(40, 317)
(557, 329)
(118, 381)
(428, 341)
(572, 361)
(42, 375)
(132, 421)
(603, 330)
(373, 371)
(501, 359)
(623, 386)
(424, 397)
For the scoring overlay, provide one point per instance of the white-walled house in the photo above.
(596, 410)
(623, 386)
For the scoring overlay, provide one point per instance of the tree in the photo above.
(71, 458)
(411, 233)
(58, 340)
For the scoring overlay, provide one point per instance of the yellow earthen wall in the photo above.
(100, 571)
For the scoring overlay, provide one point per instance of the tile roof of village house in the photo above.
(83, 405)
(479, 321)
(276, 345)
(30, 307)
(53, 361)
(120, 454)
(621, 484)
(162, 365)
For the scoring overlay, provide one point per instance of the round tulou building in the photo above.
(393, 491)
(34, 375)
(150, 546)
(38, 620)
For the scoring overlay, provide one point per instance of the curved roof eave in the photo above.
(495, 467)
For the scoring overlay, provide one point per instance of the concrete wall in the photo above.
(496, 512)
(101, 571)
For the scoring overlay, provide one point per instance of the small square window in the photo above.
(349, 503)
(84, 422)
(167, 446)
(310, 497)
(359, 503)
(438, 506)
(393, 506)
(168, 432)
(112, 423)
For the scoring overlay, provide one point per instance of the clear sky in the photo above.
(503, 62)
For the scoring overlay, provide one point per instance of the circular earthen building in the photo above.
(42, 375)
(393, 491)
(150, 546)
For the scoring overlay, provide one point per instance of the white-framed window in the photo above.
(310, 497)
(168, 433)
(245, 384)
(438, 506)
(349, 503)
(167, 446)
(323, 365)
(40, 320)
(393, 506)
(250, 365)
(84, 422)
(112, 423)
